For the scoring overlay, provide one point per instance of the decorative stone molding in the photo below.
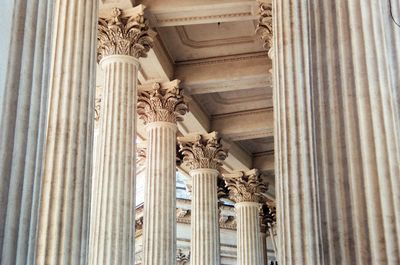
(182, 258)
(264, 26)
(162, 102)
(181, 213)
(202, 150)
(123, 33)
(245, 186)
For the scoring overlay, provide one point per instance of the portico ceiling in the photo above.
(211, 46)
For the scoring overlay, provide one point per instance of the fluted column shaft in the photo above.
(114, 214)
(263, 252)
(159, 236)
(337, 144)
(23, 114)
(65, 195)
(204, 155)
(248, 234)
(160, 106)
(205, 247)
(122, 39)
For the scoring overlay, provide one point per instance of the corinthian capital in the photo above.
(202, 150)
(161, 102)
(264, 26)
(123, 33)
(245, 186)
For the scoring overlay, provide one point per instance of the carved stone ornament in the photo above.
(245, 186)
(162, 102)
(269, 215)
(202, 151)
(264, 26)
(181, 258)
(123, 35)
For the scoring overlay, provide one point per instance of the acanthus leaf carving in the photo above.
(119, 35)
(264, 26)
(202, 151)
(163, 102)
(245, 186)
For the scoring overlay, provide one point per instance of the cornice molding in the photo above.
(224, 59)
(241, 113)
(179, 20)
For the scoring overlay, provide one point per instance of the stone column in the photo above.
(160, 106)
(23, 113)
(245, 190)
(122, 39)
(337, 129)
(204, 155)
(66, 181)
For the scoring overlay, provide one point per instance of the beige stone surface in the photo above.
(23, 112)
(337, 132)
(249, 246)
(63, 228)
(246, 190)
(112, 220)
(123, 37)
(160, 106)
(204, 155)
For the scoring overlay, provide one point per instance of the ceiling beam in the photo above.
(244, 125)
(247, 71)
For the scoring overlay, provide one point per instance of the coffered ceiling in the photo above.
(211, 46)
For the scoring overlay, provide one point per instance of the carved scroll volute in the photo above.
(245, 186)
(202, 151)
(124, 33)
(162, 102)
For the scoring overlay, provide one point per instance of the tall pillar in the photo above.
(122, 39)
(337, 129)
(204, 155)
(65, 194)
(160, 107)
(23, 114)
(245, 190)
